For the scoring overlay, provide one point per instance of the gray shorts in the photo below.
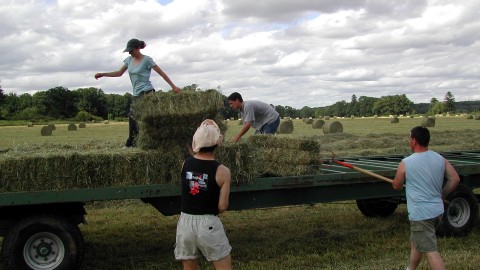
(422, 234)
(201, 234)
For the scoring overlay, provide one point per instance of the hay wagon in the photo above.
(40, 228)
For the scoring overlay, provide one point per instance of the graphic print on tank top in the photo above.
(197, 182)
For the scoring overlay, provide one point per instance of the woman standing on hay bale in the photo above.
(205, 191)
(139, 67)
(259, 115)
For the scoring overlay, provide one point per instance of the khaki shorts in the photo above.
(422, 234)
(201, 234)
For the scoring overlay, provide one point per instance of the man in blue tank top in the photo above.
(423, 173)
(205, 192)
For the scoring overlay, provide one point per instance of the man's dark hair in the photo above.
(234, 96)
(209, 149)
(421, 134)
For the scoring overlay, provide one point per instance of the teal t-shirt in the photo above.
(140, 74)
(424, 178)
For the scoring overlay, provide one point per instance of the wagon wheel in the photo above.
(43, 242)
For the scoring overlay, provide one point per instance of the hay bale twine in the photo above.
(286, 127)
(394, 120)
(46, 131)
(30, 124)
(477, 117)
(52, 126)
(332, 127)
(317, 124)
(72, 127)
(428, 122)
(82, 125)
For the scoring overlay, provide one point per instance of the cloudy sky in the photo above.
(283, 52)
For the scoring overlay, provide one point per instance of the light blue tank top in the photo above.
(424, 179)
(140, 74)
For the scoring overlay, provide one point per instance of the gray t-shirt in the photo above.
(259, 113)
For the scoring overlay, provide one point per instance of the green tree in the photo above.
(365, 106)
(281, 110)
(393, 105)
(306, 112)
(38, 102)
(118, 105)
(93, 101)
(449, 102)
(2, 95)
(60, 103)
(352, 107)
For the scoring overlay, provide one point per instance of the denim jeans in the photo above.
(269, 128)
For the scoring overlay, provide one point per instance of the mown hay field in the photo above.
(132, 235)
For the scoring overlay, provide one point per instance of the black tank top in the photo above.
(200, 191)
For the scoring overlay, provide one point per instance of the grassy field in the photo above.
(132, 235)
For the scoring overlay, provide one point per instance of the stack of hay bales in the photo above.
(285, 156)
(170, 118)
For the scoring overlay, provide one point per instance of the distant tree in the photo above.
(38, 102)
(281, 110)
(433, 107)
(352, 108)
(393, 105)
(93, 101)
(306, 112)
(118, 105)
(60, 103)
(365, 106)
(2, 96)
(449, 102)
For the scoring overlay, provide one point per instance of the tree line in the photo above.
(86, 104)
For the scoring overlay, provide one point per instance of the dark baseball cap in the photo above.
(132, 44)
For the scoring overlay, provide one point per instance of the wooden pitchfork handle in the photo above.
(378, 176)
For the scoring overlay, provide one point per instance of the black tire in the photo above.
(378, 207)
(43, 242)
(461, 212)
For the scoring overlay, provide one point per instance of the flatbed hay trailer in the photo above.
(40, 229)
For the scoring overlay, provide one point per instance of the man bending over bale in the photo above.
(259, 115)
(205, 192)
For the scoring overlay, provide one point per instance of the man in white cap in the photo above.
(205, 192)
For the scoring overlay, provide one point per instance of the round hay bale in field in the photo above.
(309, 121)
(332, 127)
(72, 127)
(394, 120)
(428, 122)
(30, 124)
(411, 116)
(327, 117)
(286, 127)
(52, 126)
(46, 131)
(317, 124)
(82, 125)
(477, 117)
(470, 116)
(106, 122)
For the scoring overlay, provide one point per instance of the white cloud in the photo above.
(283, 52)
